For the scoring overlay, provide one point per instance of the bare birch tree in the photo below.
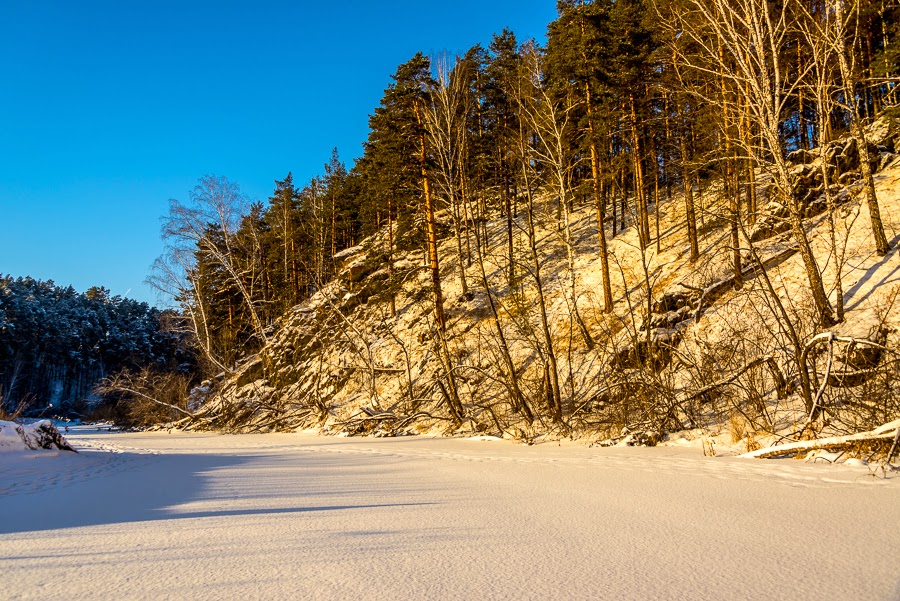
(743, 43)
(834, 30)
(206, 227)
(821, 82)
(548, 120)
(445, 121)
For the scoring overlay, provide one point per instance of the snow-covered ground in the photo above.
(290, 516)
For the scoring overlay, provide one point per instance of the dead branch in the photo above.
(768, 360)
(114, 388)
(887, 431)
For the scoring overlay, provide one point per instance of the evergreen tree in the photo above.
(502, 128)
(342, 216)
(576, 48)
(56, 344)
(282, 219)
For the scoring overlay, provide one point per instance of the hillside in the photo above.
(715, 361)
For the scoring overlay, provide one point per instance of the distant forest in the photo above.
(56, 344)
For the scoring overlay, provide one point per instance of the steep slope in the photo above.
(683, 350)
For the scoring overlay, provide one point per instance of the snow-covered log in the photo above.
(886, 432)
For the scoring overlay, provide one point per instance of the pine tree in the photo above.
(282, 216)
(341, 216)
(576, 47)
(502, 127)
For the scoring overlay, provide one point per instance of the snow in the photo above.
(35, 436)
(10, 439)
(206, 516)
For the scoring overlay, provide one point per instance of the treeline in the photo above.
(630, 103)
(56, 344)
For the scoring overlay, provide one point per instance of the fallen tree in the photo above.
(888, 431)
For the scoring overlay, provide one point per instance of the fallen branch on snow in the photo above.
(152, 400)
(888, 431)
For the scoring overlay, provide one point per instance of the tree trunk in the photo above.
(518, 401)
(552, 370)
(390, 226)
(639, 192)
(457, 207)
(507, 208)
(730, 186)
(689, 212)
(881, 244)
(823, 306)
(600, 203)
(431, 232)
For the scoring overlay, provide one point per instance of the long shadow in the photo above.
(282, 510)
(107, 489)
(868, 275)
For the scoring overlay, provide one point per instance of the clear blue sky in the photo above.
(108, 109)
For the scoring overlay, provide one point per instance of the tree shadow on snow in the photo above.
(852, 303)
(131, 487)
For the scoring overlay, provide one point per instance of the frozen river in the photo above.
(299, 516)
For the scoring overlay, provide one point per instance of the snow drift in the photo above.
(42, 435)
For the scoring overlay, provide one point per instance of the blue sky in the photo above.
(109, 109)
